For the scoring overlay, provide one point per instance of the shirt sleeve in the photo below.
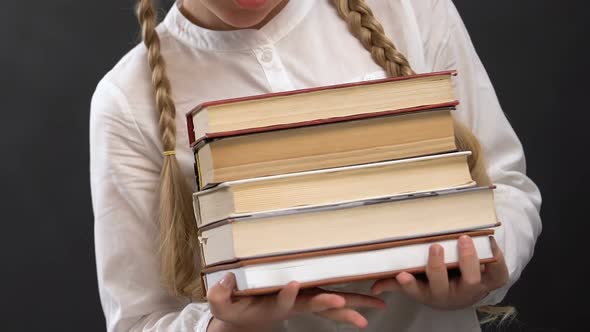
(124, 182)
(518, 199)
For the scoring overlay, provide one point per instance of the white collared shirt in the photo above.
(305, 45)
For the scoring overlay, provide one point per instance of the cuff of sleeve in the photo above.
(494, 297)
(204, 321)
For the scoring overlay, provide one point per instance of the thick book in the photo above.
(364, 139)
(346, 224)
(332, 185)
(299, 107)
(343, 265)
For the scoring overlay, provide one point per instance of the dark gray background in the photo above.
(54, 52)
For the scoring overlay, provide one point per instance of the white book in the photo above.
(345, 264)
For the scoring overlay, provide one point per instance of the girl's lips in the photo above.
(251, 4)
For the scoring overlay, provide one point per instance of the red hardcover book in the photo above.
(225, 134)
(361, 139)
(324, 104)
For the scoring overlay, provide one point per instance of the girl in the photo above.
(141, 162)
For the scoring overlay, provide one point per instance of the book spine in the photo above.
(198, 177)
(190, 128)
(201, 254)
(203, 284)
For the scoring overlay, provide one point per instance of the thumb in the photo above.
(219, 296)
(496, 274)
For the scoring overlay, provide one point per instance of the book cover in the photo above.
(199, 108)
(358, 141)
(197, 143)
(308, 266)
(341, 205)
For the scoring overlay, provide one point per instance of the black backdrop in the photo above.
(54, 52)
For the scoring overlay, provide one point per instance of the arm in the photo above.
(517, 198)
(125, 178)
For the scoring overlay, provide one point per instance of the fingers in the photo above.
(412, 287)
(348, 315)
(318, 302)
(345, 315)
(287, 296)
(496, 273)
(324, 301)
(219, 296)
(360, 300)
(468, 263)
(385, 285)
(436, 271)
(405, 282)
(442, 292)
(287, 302)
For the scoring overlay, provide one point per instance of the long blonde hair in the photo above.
(178, 235)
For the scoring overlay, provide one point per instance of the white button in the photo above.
(267, 55)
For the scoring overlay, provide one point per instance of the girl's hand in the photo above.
(439, 292)
(262, 313)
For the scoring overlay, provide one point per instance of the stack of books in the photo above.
(333, 184)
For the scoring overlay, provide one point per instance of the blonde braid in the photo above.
(367, 29)
(178, 248)
(466, 141)
(363, 25)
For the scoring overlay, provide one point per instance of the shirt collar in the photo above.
(273, 31)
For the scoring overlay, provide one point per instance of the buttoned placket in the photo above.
(273, 68)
